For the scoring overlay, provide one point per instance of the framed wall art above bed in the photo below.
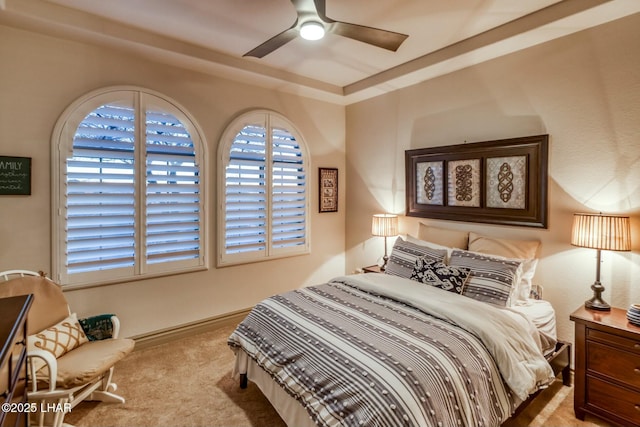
(497, 182)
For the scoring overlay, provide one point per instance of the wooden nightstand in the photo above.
(372, 269)
(607, 371)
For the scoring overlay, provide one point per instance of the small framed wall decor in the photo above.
(328, 178)
(497, 182)
(15, 175)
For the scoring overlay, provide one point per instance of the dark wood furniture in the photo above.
(560, 361)
(13, 360)
(607, 371)
(372, 269)
(475, 182)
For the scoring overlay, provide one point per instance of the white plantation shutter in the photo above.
(288, 206)
(129, 191)
(245, 191)
(264, 204)
(172, 191)
(100, 218)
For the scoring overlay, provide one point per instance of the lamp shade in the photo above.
(385, 225)
(597, 231)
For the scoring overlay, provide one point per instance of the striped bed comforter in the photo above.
(377, 350)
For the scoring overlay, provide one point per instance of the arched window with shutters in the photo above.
(128, 189)
(263, 194)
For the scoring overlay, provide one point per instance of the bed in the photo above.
(391, 350)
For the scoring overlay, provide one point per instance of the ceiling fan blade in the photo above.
(321, 10)
(274, 43)
(389, 40)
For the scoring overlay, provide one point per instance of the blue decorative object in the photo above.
(633, 314)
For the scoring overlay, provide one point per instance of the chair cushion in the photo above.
(89, 361)
(49, 304)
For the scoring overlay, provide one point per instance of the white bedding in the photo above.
(543, 317)
(523, 367)
(501, 342)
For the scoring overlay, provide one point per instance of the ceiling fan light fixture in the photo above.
(312, 30)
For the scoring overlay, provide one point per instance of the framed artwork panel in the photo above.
(328, 178)
(506, 182)
(463, 181)
(498, 182)
(430, 183)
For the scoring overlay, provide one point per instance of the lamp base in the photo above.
(383, 265)
(596, 302)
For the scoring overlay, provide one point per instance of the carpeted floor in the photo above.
(188, 383)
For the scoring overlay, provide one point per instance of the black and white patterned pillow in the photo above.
(492, 279)
(440, 275)
(404, 255)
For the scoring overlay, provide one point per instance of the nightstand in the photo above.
(607, 371)
(372, 269)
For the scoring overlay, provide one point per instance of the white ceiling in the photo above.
(212, 35)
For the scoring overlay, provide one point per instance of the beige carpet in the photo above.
(188, 383)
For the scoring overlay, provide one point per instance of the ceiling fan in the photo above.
(312, 18)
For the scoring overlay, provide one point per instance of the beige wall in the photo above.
(582, 90)
(40, 76)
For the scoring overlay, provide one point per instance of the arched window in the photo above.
(263, 193)
(128, 188)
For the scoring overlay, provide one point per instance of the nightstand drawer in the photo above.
(617, 401)
(620, 342)
(619, 365)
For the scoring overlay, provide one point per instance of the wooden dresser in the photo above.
(13, 360)
(607, 370)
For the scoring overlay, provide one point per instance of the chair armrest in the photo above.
(100, 327)
(50, 362)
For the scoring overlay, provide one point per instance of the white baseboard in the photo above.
(171, 334)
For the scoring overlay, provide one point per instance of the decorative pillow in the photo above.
(411, 239)
(492, 279)
(58, 339)
(519, 249)
(404, 255)
(522, 249)
(440, 275)
(97, 327)
(444, 236)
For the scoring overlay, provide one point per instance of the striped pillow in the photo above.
(492, 279)
(404, 255)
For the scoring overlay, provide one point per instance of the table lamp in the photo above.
(600, 232)
(385, 225)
